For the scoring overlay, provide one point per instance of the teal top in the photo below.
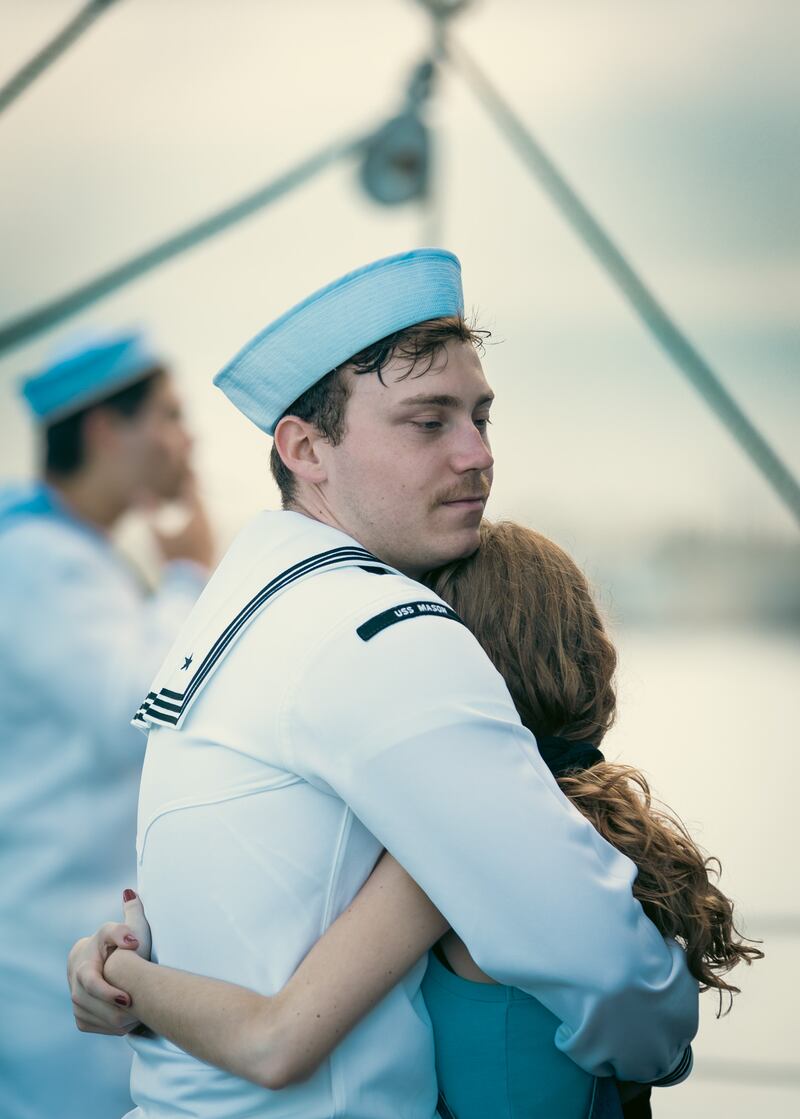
(495, 1053)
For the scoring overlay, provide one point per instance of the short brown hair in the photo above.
(531, 609)
(324, 404)
(64, 447)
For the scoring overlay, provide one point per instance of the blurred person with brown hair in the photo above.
(531, 610)
(79, 638)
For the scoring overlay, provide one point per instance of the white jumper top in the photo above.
(79, 639)
(302, 723)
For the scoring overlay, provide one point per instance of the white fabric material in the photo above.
(306, 752)
(184, 674)
(78, 643)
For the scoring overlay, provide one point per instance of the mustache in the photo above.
(477, 490)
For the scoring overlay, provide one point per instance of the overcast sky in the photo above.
(676, 121)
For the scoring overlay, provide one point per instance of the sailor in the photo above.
(320, 704)
(79, 639)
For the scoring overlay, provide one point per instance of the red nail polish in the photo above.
(128, 895)
(130, 939)
(120, 1000)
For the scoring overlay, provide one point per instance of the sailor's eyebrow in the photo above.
(440, 401)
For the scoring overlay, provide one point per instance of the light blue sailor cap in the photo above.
(86, 372)
(335, 323)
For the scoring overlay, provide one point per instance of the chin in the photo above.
(457, 547)
(167, 494)
(171, 488)
(470, 544)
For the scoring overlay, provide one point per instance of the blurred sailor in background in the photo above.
(80, 638)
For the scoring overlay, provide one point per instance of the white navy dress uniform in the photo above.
(318, 706)
(78, 640)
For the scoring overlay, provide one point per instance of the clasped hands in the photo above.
(100, 1007)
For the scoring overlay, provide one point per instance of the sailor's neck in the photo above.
(323, 515)
(88, 499)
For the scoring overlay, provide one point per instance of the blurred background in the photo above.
(676, 123)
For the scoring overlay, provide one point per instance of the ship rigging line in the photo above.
(19, 330)
(677, 346)
(666, 332)
(51, 51)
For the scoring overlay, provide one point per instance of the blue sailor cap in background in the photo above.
(335, 323)
(86, 372)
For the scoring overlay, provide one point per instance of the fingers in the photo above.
(193, 539)
(136, 921)
(116, 935)
(98, 1006)
(119, 1026)
(133, 909)
(90, 982)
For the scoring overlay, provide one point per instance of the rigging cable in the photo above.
(26, 326)
(666, 332)
(51, 51)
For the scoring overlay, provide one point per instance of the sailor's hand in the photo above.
(195, 539)
(98, 1007)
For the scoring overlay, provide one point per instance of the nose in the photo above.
(472, 451)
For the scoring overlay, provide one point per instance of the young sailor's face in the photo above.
(412, 474)
(156, 444)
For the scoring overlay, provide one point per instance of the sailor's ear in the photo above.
(299, 445)
(100, 431)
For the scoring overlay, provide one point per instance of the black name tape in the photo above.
(402, 614)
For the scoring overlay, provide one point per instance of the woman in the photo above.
(530, 608)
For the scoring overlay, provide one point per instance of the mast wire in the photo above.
(666, 332)
(42, 318)
(51, 51)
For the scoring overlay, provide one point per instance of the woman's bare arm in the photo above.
(278, 1040)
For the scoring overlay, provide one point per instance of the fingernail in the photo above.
(120, 1000)
(130, 939)
(128, 895)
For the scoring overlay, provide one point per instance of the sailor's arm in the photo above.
(415, 730)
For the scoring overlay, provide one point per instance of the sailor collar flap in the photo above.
(183, 678)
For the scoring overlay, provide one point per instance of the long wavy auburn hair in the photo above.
(531, 609)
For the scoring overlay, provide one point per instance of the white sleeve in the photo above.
(416, 731)
(83, 636)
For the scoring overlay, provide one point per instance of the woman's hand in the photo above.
(135, 923)
(98, 1006)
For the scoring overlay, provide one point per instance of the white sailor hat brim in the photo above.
(86, 372)
(335, 323)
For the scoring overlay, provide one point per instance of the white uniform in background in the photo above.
(312, 712)
(79, 640)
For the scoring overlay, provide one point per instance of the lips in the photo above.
(466, 502)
